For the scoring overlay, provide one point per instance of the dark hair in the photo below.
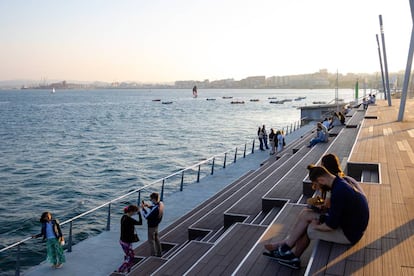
(43, 216)
(130, 208)
(155, 196)
(331, 163)
(316, 171)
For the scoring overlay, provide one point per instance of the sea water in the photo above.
(73, 150)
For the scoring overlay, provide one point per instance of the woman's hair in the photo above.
(155, 196)
(130, 208)
(44, 215)
(316, 171)
(331, 163)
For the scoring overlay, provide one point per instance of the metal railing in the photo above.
(210, 162)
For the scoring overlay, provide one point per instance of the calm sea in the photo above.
(73, 150)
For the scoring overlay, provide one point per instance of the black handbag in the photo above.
(135, 238)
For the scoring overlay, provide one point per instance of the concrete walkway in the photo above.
(102, 254)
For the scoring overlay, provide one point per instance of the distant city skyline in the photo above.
(165, 41)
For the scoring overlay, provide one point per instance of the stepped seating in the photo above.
(255, 263)
(228, 253)
(214, 227)
(176, 233)
(183, 260)
(288, 187)
(249, 205)
(213, 221)
(356, 119)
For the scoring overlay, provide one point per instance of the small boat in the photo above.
(156, 100)
(167, 102)
(227, 97)
(237, 102)
(210, 99)
(254, 100)
(319, 102)
(276, 102)
(271, 98)
(53, 91)
(299, 98)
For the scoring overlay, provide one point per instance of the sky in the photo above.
(168, 40)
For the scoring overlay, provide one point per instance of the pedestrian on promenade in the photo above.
(52, 233)
(153, 213)
(129, 236)
(265, 137)
(272, 142)
(344, 223)
(260, 136)
(280, 140)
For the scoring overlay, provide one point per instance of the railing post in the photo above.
(17, 272)
(162, 189)
(198, 173)
(253, 146)
(139, 198)
(212, 166)
(225, 159)
(244, 153)
(108, 220)
(235, 156)
(70, 237)
(182, 181)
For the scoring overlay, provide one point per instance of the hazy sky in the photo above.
(167, 40)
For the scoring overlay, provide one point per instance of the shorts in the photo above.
(336, 235)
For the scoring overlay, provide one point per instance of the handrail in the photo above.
(293, 127)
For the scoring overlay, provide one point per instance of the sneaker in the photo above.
(274, 254)
(59, 266)
(293, 263)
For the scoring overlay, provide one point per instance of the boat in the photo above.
(271, 98)
(299, 98)
(254, 100)
(156, 100)
(237, 102)
(167, 102)
(210, 99)
(227, 97)
(53, 91)
(276, 102)
(319, 102)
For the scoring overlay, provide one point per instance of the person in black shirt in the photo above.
(128, 236)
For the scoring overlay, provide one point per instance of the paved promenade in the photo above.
(102, 254)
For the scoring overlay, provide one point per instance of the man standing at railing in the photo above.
(153, 213)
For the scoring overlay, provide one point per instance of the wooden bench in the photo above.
(356, 119)
(184, 259)
(213, 221)
(250, 204)
(224, 257)
(255, 263)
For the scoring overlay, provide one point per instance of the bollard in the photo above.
(212, 166)
(225, 158)
(244, 153)
(253, 146)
